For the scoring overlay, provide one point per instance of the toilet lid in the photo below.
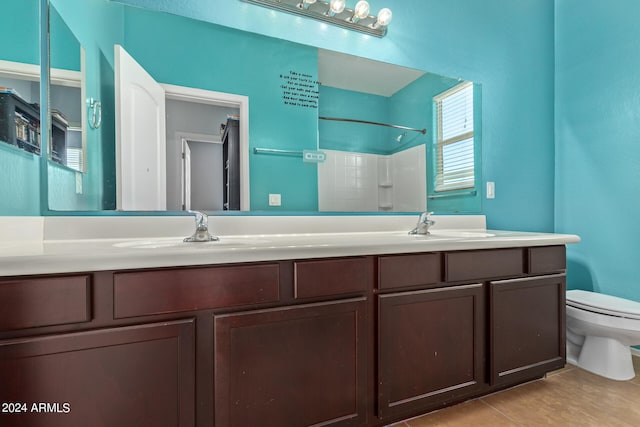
(605, 304)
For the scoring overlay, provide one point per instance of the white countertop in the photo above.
(148, 247)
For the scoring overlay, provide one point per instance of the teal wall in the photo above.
(19, 182)
(64, 47)
(505, 45)
(597, 142)
(227, 60)
(20, 31)
(347, 136)
(19, 171)
(411, 106)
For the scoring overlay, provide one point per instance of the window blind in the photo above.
(74, 159)
(455, 168)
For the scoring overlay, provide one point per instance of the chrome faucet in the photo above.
(424, 222)
(202, 229)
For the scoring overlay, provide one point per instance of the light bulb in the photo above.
(336, 6)
(361, 10)
(384, 17)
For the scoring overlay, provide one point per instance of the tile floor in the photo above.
(567, 397)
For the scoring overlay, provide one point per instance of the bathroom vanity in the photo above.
(329, 329)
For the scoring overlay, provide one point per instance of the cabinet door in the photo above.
(131, 376)
(292, 366)
(527, 328)
(430, 348)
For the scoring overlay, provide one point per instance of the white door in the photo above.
(140, 137)
(186, 175)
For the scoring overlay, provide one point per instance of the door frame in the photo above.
(222, 99)
(185, 138)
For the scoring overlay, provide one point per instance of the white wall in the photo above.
(361, 182)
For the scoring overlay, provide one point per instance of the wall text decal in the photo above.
(299, 90)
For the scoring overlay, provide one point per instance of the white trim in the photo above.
(222, 99)
(19, 70)
(31, 72)
(460, 86)
(198, 137)
(83, 107)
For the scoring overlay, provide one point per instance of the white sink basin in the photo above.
(461, 234)
(173, 242)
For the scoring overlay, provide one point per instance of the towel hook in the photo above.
(95, 113)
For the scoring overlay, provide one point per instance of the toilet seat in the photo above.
(603, 304)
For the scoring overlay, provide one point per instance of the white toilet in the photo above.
(600, 330)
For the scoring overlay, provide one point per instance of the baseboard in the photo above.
(635, 352)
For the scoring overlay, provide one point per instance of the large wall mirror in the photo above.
(201, 116)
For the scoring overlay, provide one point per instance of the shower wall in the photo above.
(362, 182)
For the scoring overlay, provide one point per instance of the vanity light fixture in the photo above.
(335, 12)
(361, 11)
(335, 7)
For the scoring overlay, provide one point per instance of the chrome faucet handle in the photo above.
(425, 218)
(424, 222)
(202, 229)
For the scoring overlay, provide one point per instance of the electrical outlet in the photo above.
(491, 190)
(274, 200)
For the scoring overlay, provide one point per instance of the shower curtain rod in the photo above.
(366, 122)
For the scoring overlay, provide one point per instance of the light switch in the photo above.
(274, 200)
(491, 190)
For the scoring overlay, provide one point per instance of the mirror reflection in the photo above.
(206, 117)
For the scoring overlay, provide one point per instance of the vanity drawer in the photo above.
(547, 259)
(170, 291)
(30, 303)
(332, 277)
(400, 271)
(484, 264)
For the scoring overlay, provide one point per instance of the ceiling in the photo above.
(363, 75)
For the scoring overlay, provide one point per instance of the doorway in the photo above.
(186, 107)
(194, 154)
(202, 173)
(143, 157)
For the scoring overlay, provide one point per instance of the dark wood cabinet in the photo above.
(430, 348)
(292, 366)
(527, 328)
(134, 376)
(333, 277)
(29, 303)
(345, 341)
(231, 162)
(172, 291)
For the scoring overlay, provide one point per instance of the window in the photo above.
(74, 152)
(455, 168)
